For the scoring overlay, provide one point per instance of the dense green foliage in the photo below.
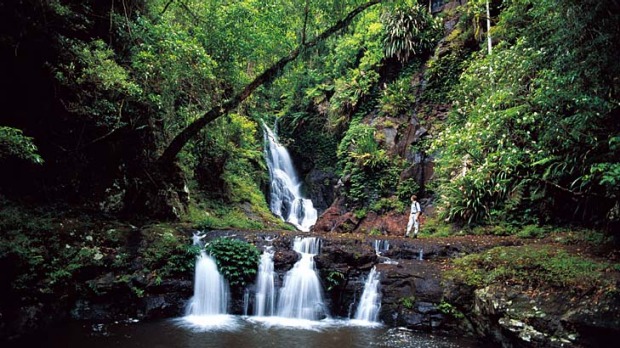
(533, 134)
(13, 143)
(515, 142)
(411, 30)
(236, 260)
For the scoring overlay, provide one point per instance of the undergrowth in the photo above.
(531, 266)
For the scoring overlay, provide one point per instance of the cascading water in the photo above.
(301, 297)
(286, 200)
(381, 246)
(206, 310)
(370, 302)
(210, 289)
(265, 297)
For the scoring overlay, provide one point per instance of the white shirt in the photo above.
(415, 207)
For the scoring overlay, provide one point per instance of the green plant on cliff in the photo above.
(397, 99)
(236, 260)
(410, 30)
(407, 302)
(448, 309)
(374, 176)
(334, 279)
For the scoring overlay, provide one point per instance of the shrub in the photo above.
(236, 260)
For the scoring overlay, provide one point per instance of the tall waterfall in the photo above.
(210, 289)
(265, 298)
(285, 193)
(370, 302)
(301, 296)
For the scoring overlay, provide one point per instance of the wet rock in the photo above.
(529, 319)
(321, 186)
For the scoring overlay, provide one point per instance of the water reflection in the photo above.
(246, 332)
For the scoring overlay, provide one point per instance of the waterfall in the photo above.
(286, 200)
(246, 301)
(210, 289)
(370, 302)
(264, 303)
(301, 296)
(381, 246)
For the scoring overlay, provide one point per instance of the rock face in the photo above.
(337, 219)
(518, 317)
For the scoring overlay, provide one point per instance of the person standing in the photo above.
(414, 217)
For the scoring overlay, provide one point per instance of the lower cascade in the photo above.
(370, 302)
(265, 297)
(301, 296)
(210, 289)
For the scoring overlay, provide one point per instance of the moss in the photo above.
(532, 266)
(166, 251)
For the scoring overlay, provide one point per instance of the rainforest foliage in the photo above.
(96, 91)
(533, 133)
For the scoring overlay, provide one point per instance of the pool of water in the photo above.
(235, 331)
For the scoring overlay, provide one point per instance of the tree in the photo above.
(179, 141)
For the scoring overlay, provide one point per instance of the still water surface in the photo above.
(235, 331)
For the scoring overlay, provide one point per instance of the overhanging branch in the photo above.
(268, 75)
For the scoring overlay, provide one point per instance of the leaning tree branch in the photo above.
(179, 141)
(166, 7)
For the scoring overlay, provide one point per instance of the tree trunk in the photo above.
(489, 42)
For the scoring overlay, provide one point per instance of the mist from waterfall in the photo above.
(370, 302)
(286, 200)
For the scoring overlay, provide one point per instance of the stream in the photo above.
(236, 331)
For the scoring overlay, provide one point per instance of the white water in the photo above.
(265, 297)
(370, 302)
(286, 200)
(381, 246)
(301, 296)
(210, 289)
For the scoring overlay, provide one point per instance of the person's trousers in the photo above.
(413, 222)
